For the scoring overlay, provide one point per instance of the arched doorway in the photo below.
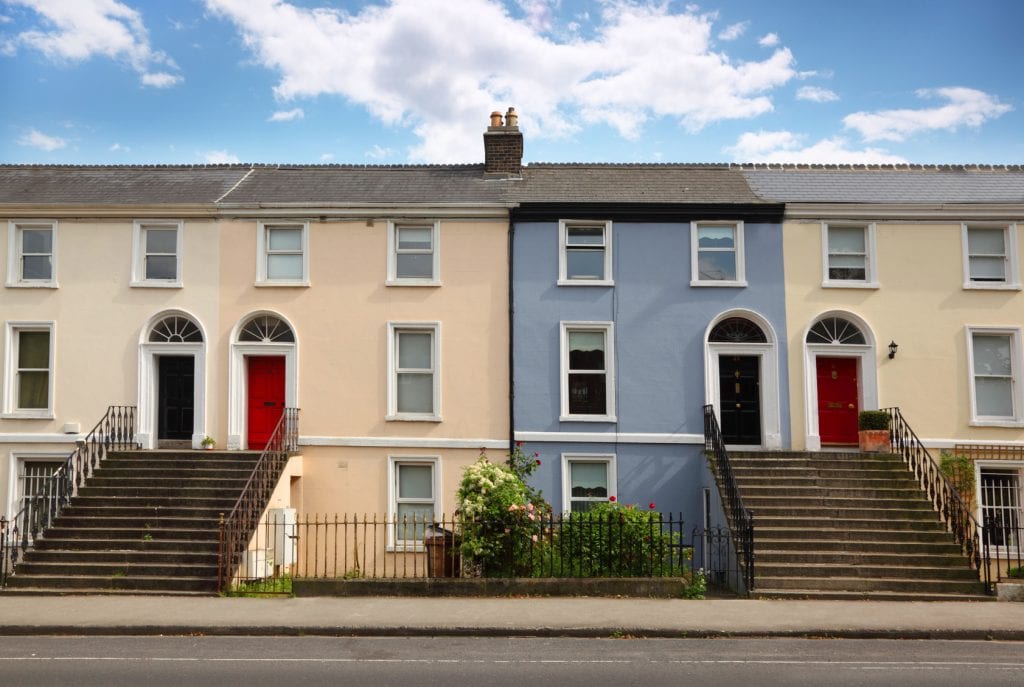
(741, 379)
(172, 382)
(839, 378)
(262, 376)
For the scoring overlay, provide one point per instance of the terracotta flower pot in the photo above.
(874, 440)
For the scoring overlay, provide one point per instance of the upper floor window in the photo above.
(588, 379)
(32, 256)
(994, 356)
(585, 253)
(282, 254)
(157, 254)
(413, 376)
(413, 256)
(28, 369)
(716, 254)
(990, 256)
(849, 255)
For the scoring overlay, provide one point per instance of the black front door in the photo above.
(176, 392)
(740, 388)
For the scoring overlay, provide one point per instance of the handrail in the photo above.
(952, 507)
(114, 431)
(241, 522)
(740, 518)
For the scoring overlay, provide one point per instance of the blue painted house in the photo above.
(639, 294)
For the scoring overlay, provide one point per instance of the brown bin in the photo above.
(443, 557)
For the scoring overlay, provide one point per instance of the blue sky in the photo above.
(326, 81)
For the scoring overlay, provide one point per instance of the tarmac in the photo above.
(507, 617)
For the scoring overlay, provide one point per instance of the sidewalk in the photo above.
(570, 617)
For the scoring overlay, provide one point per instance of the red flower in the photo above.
(538, 461)
(651, 505)
(612, 499)
(535, 454)
(519, 444)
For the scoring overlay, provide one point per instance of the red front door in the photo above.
(266, 397)
(837, 400)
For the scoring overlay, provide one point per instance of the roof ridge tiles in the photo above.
(884, 167)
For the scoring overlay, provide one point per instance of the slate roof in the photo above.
(646, 183)
(116, 185)
(887, 183)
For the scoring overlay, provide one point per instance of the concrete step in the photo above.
(145, 523)
(767, 534)
(831, 502)
(111, 556)
(52, 543)
(764, 522)
(175, 472)
(221, 504)
(858, 584)
(124, 569)
(834, 491)
(172, 511)
(857, 558)
(765, 570)
(114, 582)
(918, 514)
(874, 595)
(129, 533)
(163, 493)
(816, 545)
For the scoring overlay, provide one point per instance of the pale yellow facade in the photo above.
(922, 302)
(338, 366)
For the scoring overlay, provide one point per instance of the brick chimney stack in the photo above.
(503, 146)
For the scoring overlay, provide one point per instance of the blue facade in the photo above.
(660, 322)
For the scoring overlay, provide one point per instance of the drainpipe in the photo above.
(511, 336)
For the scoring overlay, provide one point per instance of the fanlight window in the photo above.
(175, 329)
(835, 330)
(737, 330)
(267, 329)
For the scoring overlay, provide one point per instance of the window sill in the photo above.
(587, 418)
(287, 284)
(990, 286)
(156, 285)
(733, 284)
(412, 282)
(585, 282)
(850, 285)
(412, 547)
(407, 417)
(28, 415)
(996, 423)
(32, 285)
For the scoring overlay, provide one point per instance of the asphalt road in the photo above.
(489, 662)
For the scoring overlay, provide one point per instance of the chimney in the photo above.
(503, 146)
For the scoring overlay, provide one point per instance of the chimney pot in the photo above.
(511, 118)
(495, 120)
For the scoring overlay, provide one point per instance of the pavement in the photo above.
(507, 617)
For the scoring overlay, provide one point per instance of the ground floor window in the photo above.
(33, 485)
(586, 480)
(1001, 504)
(413, 498)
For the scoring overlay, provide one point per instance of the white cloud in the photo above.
(4, 19)
(326, 157)
(118, 147)
(733, 31)
(769, 40)
(966, 107)
(78, 30)
(37, 139)
(816, 94)
(539, 13)
(379, 153)
(645, 61)
(220, 157)
(785, 146)
(287, 115)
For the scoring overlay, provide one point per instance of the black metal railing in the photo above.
(952, 508)
(628, 543)
(115, 431)
(238, 527)
(741, 520)
(1003, 537)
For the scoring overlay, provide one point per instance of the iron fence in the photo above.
(625, 544)
(1003, 540)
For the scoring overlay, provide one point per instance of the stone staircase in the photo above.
(147, 522)
(847, 526)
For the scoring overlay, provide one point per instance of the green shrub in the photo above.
(1016, 573)
(873, 419)
(959, 470)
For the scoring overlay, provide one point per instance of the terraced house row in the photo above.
(416, 314)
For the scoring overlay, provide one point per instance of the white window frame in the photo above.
(1006, 466)
(870, 280)
(394, 464)
(434, 329)
(608, 328)
(17, 460)
(1016, 388)
(741, 273)
(568, 458)
(14, 254)
(262, 230)
(10, 398)
(393, 250)
(1011, 282)
(563, 248)
(139, 228)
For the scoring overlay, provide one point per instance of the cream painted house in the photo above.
(903, 288)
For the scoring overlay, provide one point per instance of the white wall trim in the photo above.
(401, 442)
(610, 438)
(949, 443)
(47, 438)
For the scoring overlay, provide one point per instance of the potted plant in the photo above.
(873, 434)
(208, 442)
